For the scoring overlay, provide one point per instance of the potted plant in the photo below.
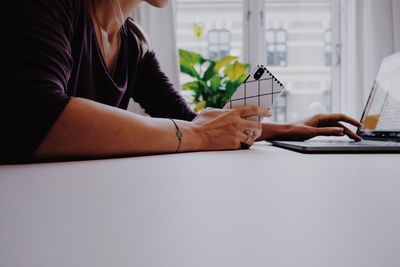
(213, 81)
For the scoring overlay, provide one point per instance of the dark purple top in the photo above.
(49, 52)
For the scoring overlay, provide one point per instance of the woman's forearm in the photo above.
(326, 125)
(87, 129)
(272, 131)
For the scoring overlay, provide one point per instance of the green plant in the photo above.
(214, 82)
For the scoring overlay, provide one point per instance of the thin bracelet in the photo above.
(179, 134)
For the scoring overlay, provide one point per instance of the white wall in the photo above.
(378, 38)
(159, 25)
(396, 20)
(370, 31)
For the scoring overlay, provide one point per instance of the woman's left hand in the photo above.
(323, 124)
(336, 121)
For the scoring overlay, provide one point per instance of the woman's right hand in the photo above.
(228, 129)
(79, 132)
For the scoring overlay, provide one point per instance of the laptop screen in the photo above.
(381, 117)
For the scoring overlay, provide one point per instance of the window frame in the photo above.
(328, 47)
(275, 44)
(254, 47)
(219, 44)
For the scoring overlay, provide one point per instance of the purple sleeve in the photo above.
(156, 94)
(35, 62)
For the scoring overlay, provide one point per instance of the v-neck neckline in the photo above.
(119, 61)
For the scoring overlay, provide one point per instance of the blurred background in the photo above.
(326, 52)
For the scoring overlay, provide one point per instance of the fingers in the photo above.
(247, 140)
(338, 130)
(328, 131)
(349, 132)
(253, 127)
(213, 111)
(344, 118)
(334, 120)
(248, 111)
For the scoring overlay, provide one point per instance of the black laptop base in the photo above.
(315, 147)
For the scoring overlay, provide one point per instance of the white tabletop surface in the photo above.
(261, 207)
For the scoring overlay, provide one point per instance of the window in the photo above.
(328, 47)
(219, 43)
(276, 47)
(293, 38)
(221, 23)
(299, 52)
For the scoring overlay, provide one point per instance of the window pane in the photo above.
(280, 36)
(270, 36)
(281, 48)
(212, 37)
(224, 37)
(213, 48)
(225, 48)
(271, 48)
(328, 48)
(302, 56)
(224, 17)
(328, 36)
(281, 59)
(275, 46)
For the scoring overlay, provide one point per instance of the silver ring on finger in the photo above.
(247, 140)
(245, 144)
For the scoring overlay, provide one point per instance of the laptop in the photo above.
(380, 119)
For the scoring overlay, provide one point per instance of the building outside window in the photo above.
(276, 47)
(219, 43)
(306, 75)
(297, 44)
(222, 24)
(217, 19)
(328, 47)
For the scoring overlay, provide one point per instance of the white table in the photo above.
(262, 207)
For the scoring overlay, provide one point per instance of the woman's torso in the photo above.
(90, 77)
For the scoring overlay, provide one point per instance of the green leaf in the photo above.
(203, 88)
(190, 58)
(225, 61)
(197, 95)
(202, 83)
(197, 30)
(241, 79)
(230, 88)
(189, 70)
(190, 86)
(215, 82)
(200, 106)
(235, 71)
(209, 72)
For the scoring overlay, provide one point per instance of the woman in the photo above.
(70, 68)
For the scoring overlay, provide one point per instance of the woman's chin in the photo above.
(157, 3)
